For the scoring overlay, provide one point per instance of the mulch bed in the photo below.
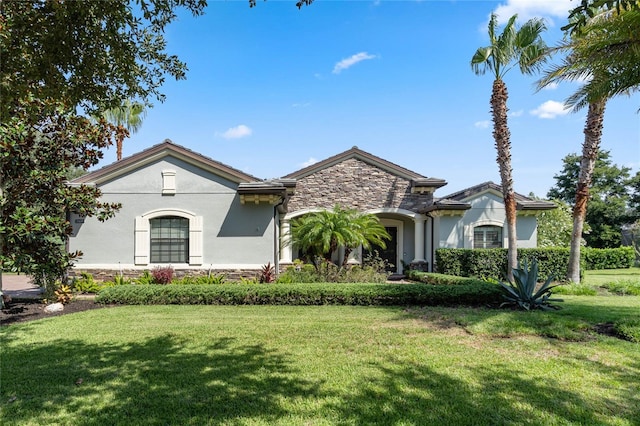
(22, 310)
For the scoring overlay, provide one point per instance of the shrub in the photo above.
(162, 274)
(374, 262)
(63, 294)
(306, 273)
(629, 329)
(524, 292)
(611, 258)
(145, 278)
(575, 289)
(200, 280)
(492, 263)
(439, 279)
(473, 293)
(623, 287)
(267, 274)
(85, 284)
(362, 274)
(120, 280)
(300, 273)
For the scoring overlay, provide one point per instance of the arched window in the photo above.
(174, 224)
(487, 237)
(169, 239)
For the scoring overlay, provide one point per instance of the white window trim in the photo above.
(469, 229)
(143, 239)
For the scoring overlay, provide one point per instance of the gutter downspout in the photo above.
(433, 238)
(276, 238)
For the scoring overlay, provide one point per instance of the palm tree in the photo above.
(525, 48)
(127, 118)
(322, 233)
(600, 52)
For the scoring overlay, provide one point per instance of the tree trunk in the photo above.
(1, 234)
(121, 134)
(502, 136)
(590, 148)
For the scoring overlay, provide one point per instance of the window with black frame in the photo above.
(487, 237)
(169, 240)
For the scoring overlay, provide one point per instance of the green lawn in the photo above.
(326, 365)
(604, 276)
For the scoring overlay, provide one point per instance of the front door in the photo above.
(390, 253)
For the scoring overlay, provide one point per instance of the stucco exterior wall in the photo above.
(486, 209)
(229, 228)
(356, 184)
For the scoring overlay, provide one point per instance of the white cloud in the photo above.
(550, 109)
(351, 61)
(517, 113)
(237, 132)
(527, 9)
(309, 162)
(550, 86)
(482, 124)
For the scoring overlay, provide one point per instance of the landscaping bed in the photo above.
(21, 310)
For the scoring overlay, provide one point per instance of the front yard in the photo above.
(323, 365)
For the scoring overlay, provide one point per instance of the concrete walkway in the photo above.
(18, 286)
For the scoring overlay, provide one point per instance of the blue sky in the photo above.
(272, 89)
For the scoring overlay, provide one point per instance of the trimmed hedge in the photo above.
(472, 292)
(611, 258)
(492, 263)
(439, 279)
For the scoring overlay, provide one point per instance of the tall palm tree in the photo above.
(127, 118)
(525, 48)
(602, 53)
(322, 233)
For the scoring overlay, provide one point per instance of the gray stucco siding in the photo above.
(486, 209)
(232, 233)
(189, 179)
(449, 232)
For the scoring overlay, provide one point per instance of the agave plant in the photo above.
(524, 291)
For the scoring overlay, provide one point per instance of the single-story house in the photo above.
(186, 210)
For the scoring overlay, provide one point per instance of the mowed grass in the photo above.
(605, 276)
(322, 365)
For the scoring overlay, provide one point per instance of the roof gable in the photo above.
(522, 202)
(159, 151)
(363, 156)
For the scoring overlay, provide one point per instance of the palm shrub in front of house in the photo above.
(321, 234)
(473, 293)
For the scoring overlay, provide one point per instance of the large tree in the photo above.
(555, 226)
(522, 47)
(62, 61)
(321, 233)
(603, 51)
(609, 199)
